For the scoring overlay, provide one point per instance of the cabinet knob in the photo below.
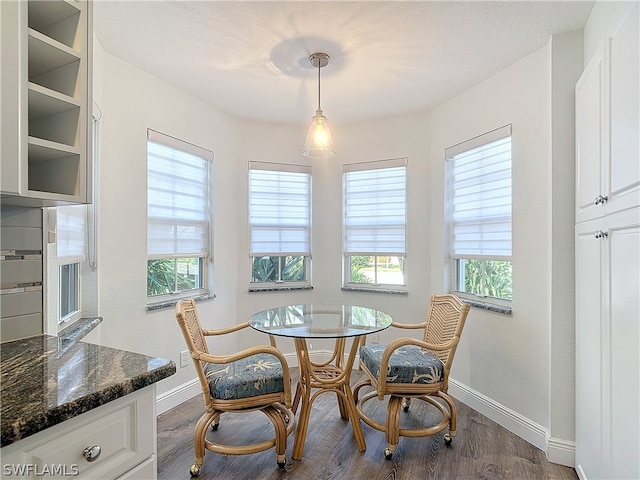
(601, 234)
(597, 200)
(92, 453)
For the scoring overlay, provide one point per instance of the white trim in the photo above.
(556, 450)
(580, 473)
(526, 429)
(174, 397)
(561, 451)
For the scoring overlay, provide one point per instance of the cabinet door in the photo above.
(623, 189)
(590, 138)
(623, 244)
(590, 397)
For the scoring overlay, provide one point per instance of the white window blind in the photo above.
(374, 203)
(279, 209)
(71, 233)
(178, 203)
(481, 196)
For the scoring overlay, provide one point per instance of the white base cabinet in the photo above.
(124, 431)
(608, 347)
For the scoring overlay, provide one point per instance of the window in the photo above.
(178, 217)
(279, 224)
(71, 252)
(479, 196)
(374, 224)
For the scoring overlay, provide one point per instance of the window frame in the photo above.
(71, 249)
(72, 315)
(349, 253)
(304, 246)
(455, 259)
(205, 257)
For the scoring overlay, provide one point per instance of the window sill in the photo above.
(68, 336)
(172, 302)
(279, 289)
(376, 290)
(491, 307)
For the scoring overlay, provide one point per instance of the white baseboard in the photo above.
(556, 450)
(561, 451)
(174, 397)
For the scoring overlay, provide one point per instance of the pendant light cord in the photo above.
(319, 67)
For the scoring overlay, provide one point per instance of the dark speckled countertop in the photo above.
(46, 380)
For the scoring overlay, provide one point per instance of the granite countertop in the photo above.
(47, 380)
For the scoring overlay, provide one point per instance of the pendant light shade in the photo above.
(319, 142)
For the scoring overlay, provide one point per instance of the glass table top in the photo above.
(320, 321)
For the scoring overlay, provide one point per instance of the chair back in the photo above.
(187, 316)
(446, 318)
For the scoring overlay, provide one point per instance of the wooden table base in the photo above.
(330, 376)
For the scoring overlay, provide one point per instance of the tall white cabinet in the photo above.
(45, 55)
(607, 258)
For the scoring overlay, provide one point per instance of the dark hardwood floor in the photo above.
(481, 450)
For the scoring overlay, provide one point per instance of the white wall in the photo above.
(503, 361)
(133, 101)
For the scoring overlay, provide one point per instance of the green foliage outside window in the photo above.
(170, 275)
(487, 278)
(377, 269)
(278, 269)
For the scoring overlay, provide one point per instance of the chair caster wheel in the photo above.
(282, 464)
(447, 439)
(194, 470)
(388, 453)
(214, 426)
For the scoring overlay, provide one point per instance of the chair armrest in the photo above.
(422, 325)
(224, 331)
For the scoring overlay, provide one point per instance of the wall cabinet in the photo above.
(607, 257)
(608, 125)
(46, 96)
(124, 431)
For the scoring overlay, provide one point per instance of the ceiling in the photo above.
(251, 59)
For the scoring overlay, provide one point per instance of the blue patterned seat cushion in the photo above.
(248, 377)
(408, 364)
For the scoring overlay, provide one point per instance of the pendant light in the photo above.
(319, 142)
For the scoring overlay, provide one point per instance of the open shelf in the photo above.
(49, 150)
(53, 167)
(59, 20)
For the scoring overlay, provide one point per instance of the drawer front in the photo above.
(123, 429)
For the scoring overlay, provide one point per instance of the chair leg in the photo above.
(392, 434)
(280, 427)
(358, 387)
(199, 439)
(453, 417)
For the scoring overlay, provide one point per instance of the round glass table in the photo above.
(339, 322)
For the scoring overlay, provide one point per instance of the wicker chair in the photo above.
(415, 369)
(253, 379)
